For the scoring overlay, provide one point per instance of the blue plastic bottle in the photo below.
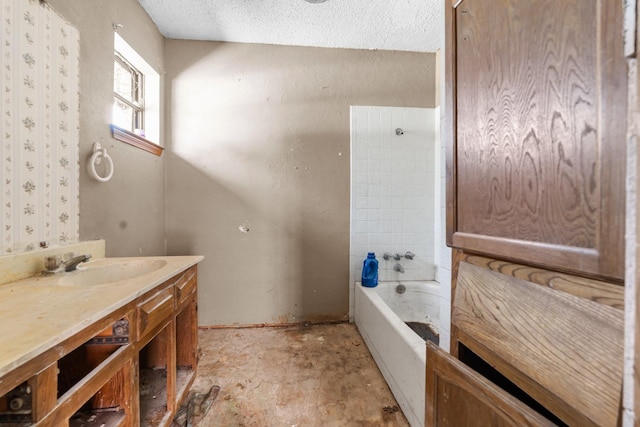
(370, 271)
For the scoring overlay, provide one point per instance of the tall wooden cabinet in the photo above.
(537, 111)
(536, 122)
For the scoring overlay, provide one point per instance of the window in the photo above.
(128, 103)
(136, 98)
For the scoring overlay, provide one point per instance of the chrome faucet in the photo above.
(71, 264)
(387, 256)
(409, 255)
(398, 267)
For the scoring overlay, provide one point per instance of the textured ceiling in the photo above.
(409, 25)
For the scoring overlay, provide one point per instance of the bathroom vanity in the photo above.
(113, 344)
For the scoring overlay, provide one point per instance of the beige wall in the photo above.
(127, 211)
(259, 138)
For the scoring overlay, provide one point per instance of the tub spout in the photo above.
(398, 267)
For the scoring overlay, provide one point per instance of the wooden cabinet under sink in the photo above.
(132, 367)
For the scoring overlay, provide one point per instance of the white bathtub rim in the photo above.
(407, 410)
(401, 327)
(415, 343)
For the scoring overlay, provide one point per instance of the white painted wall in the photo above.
(443, 253)
(630, 391)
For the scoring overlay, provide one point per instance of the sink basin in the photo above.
(107, 270)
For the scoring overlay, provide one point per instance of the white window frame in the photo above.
(134, 100)
(150, 96)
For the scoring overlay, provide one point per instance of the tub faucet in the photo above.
(409, 255)
(71, 264)
(387, 256)
(398, 267)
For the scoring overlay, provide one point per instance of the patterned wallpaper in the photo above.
(39, 66)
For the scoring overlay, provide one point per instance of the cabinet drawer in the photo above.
(155, 310)
(456, 395)
(518, 326)
(186, 286)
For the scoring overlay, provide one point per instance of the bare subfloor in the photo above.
(303, 376)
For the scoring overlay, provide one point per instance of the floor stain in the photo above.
(314, 375)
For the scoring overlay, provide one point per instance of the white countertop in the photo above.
(38, 313)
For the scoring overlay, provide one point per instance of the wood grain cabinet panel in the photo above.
(186, 286)
(537, 127)
(461, 397)
(155, 310)
(563, 350)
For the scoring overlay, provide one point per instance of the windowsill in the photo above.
(135, 140)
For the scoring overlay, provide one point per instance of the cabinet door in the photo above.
(458, 396)
(536, 107)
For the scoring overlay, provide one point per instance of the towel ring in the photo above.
(100, 153)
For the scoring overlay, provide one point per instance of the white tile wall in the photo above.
(393, 190)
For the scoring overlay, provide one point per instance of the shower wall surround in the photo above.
(39, 66)
(393, 189)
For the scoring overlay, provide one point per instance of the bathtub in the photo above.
(380, 316)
